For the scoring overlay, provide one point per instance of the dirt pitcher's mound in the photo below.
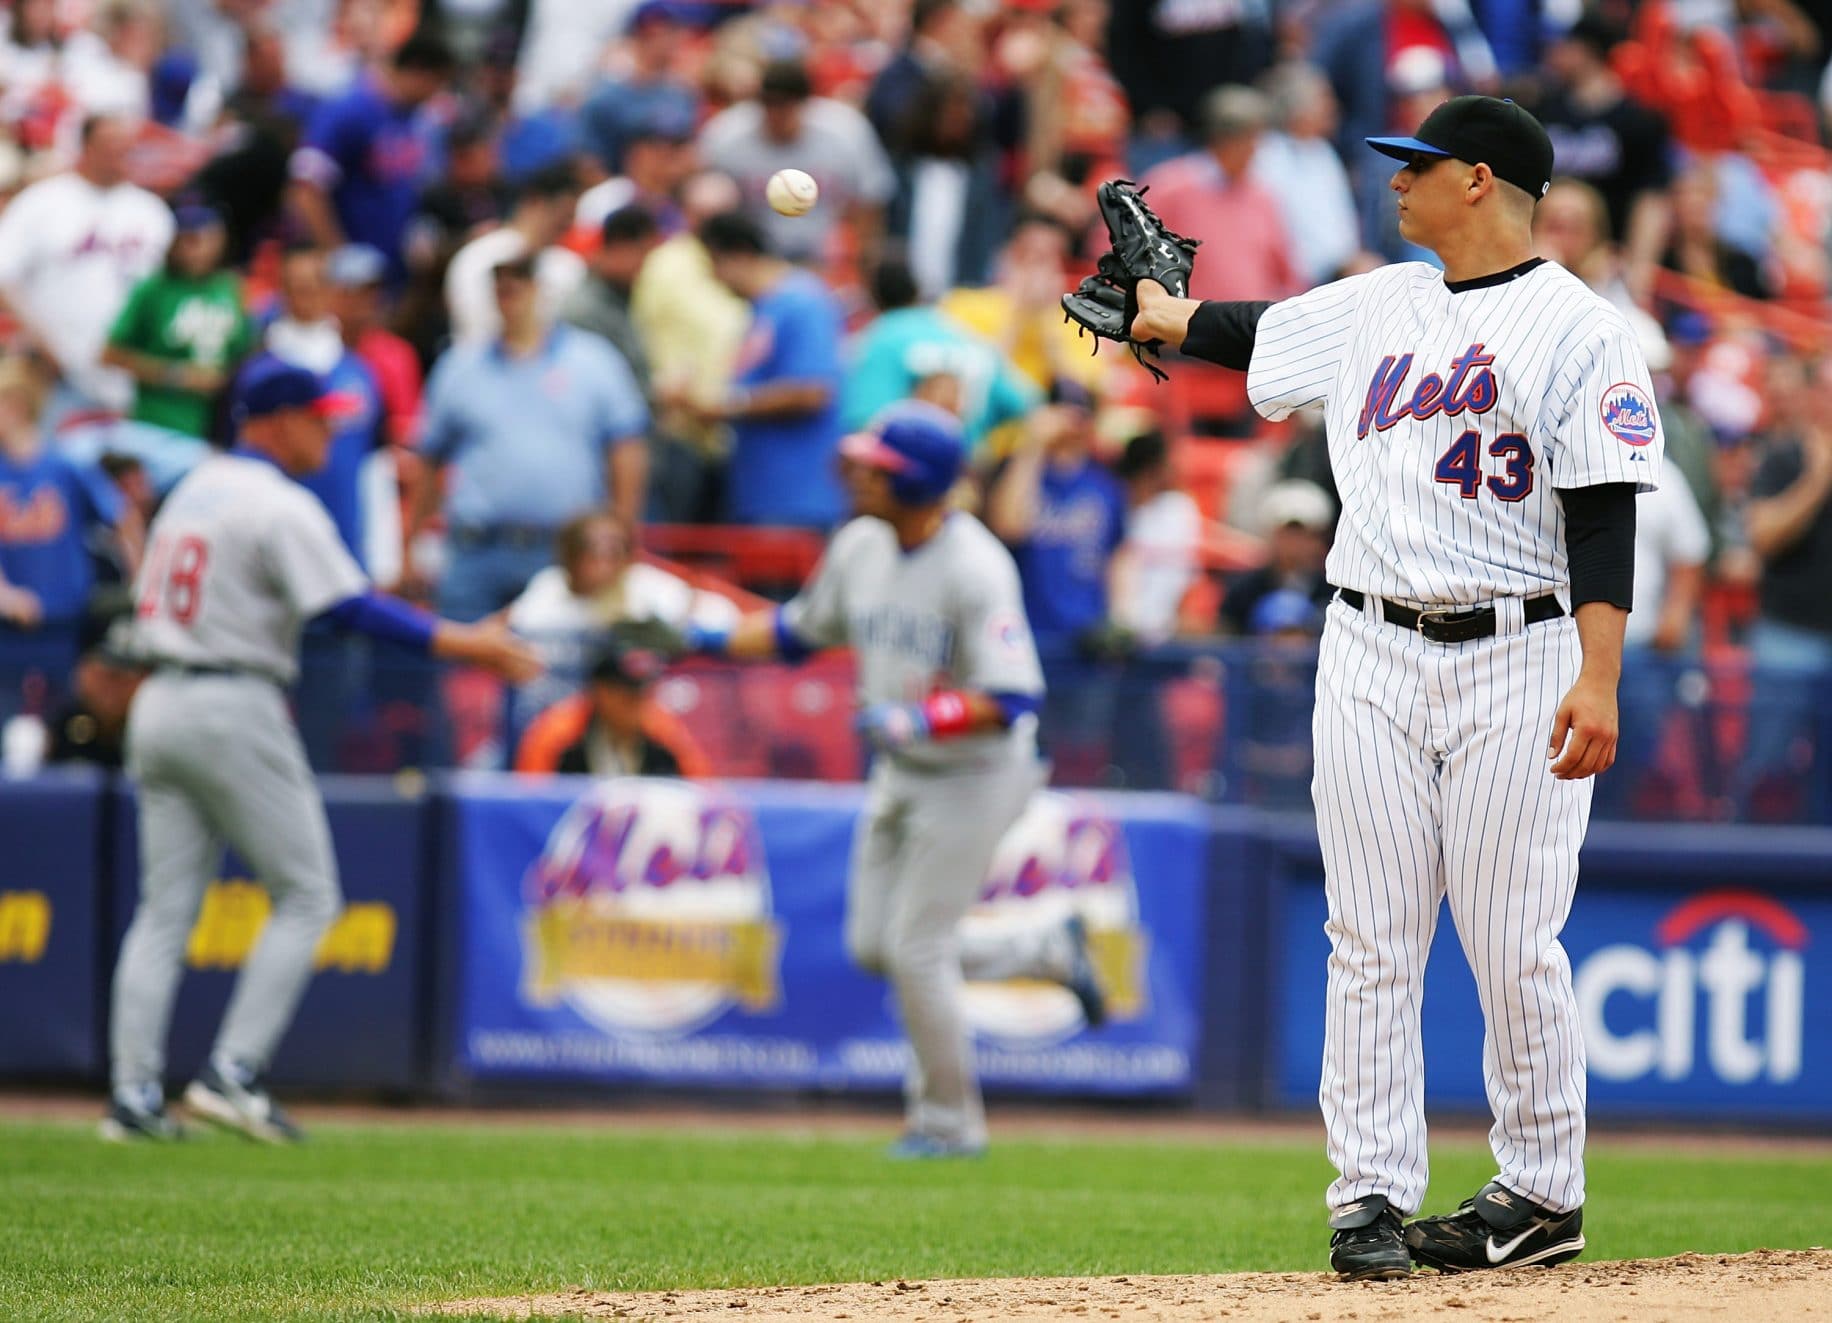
(1768, 1284)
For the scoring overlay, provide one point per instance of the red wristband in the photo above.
(948, 713)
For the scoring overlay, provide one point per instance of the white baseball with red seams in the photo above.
(792, 192)
(1453, 413)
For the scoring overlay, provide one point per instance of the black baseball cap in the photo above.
(1486, 131)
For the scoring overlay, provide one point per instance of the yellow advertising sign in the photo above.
(361, 941)
(571, 941)
(25, 926)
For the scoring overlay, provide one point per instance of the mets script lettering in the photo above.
(1469, 386)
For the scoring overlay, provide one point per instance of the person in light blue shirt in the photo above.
(540, 425)
(909, 344)
(784, 408)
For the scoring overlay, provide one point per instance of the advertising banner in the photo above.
(49, 894)
(687, 934)
(360, 1023)
(1696, 970)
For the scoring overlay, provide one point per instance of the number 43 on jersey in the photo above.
(1461, 465)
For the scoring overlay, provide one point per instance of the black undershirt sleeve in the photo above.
(1600, 542)
(1222, 332)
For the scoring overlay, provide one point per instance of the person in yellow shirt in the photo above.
(1021, 313)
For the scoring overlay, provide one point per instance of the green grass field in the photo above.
(369, 1220)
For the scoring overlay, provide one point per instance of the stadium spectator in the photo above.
(1076, 113)
(1063, 515)
(1601, 136)
(104, 67)
(1157, 562)
(31, 43)
(543, 212)
(358, 174)
(595, 582)
(1297, 164)
(1211, 195)
(909, 343)
(952, 206)
(784, 404)
(643, 88)
(1696, 250)
(357, 274)
(944, 40)
(533, 136)
(612, 728)
(50, 506)
(1789, 521)
(1571, 227)
(263, 118)
(1020, 313)
(658, 156)
(691, 327)
(468, 198)
(1298, 517)
(788, 127)
(72, 247)
(184, 329)
(1168, 55)
(601, 301)
(537, 426)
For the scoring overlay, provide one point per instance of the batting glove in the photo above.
(889, 727)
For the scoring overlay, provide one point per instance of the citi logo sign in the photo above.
(1729, 961)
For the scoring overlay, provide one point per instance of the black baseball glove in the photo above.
(648, 635)
(1143, 248)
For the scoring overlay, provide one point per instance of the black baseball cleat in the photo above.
(235, 1100)
(1496, 1229)
(1366, 1245)
(132, 1122)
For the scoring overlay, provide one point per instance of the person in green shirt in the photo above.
(183, 330)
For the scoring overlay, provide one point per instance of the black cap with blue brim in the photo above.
(1482, 130)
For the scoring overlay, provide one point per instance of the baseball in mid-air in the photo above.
(792, 192)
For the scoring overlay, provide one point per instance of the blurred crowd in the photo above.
(532, 236)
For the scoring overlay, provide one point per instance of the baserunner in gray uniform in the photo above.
(238, 560)
(949, 687)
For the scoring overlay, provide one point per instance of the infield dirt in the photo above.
(1767, 1284)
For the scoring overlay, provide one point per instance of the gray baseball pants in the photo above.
(920, 857)
(218, 761)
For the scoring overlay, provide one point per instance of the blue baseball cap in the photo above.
(271, 385)
(920, 445)
(193, 216)
(1284, 608)
(355, 265)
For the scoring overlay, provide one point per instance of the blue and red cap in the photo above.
(920, 445)
(271, 385)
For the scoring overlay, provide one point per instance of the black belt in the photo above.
(212, 672)
(1451, 624)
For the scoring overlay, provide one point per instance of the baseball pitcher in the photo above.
(1489, 426)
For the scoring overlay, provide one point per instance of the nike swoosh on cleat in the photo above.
(1496, 1253)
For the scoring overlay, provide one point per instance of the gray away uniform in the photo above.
(239, 558)
(948, 615)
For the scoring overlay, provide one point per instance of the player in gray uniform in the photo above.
(949, 687)
(238, 560)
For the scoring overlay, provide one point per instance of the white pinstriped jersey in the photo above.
(1453, 415)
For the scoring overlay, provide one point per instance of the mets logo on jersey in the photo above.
(648, 911)
(1062, 857)
(1628, 414)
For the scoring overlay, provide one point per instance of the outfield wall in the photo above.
(502, 933)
